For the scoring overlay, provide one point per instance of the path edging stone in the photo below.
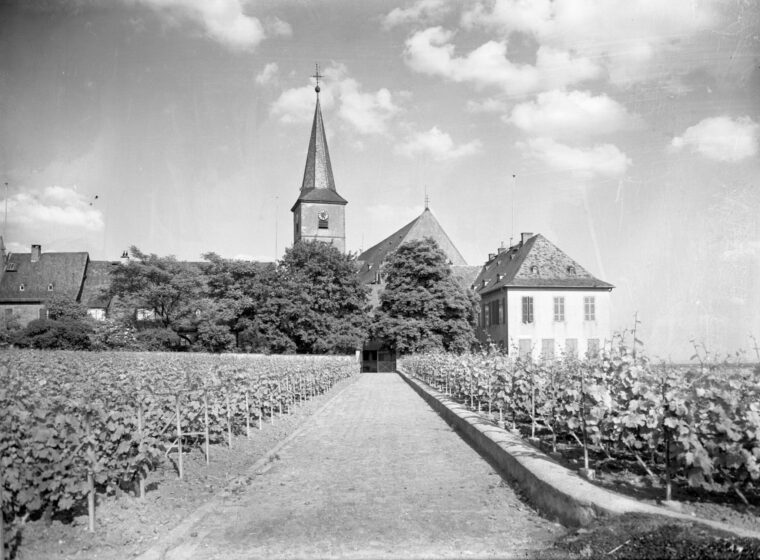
(553, 489)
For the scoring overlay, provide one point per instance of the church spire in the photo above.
(318, 173)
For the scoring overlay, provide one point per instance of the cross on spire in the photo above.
(317, 76)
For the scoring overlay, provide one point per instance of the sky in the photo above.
(624, 131)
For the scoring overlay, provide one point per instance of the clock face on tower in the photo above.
(323, 215)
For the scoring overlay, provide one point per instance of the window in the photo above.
(501, 312)
(21, 288)
(143, 314)
(571, 346)
(43, 313)
(97, 313)
(593, 347)
(527, 309)
(50, 287)
(589, 308)
(559, 309)
(323, 216)
(525, 348)
(547, 348)
(495, 312)
(487, 315)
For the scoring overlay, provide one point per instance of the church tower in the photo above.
(320, 212)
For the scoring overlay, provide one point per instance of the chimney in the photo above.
(124, 258)
(36, 252)
(524, 236)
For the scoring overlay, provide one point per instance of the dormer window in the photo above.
(21, 288)
(571, 270)
(50, 287)
(534, 269)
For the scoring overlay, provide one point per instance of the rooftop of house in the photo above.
(535, 262)
(36, 276)
(97, 280)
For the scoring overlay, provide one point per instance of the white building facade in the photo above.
(535, 300)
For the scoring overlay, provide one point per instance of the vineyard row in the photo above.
(74, 423)
(698, 426)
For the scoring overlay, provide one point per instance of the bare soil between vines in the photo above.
(126, 525)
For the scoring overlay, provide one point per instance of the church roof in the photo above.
(318, 182)
(535, 262)
(425, 225)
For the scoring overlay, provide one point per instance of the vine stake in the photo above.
(205, 428)
(180, 466)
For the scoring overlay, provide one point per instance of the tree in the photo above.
(319, 302)
(67, 327)
(174, 291)
(422, 306)
(242, 291)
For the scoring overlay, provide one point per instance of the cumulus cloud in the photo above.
(488, 105)
(223, 21)
(363, 112)
(720, 138)
(625, 34)
(436, 144)
(268, 75)
(431, 52)
(575, 113)
(276, 27)
(53, 208)
(603, 160)
(419, 12)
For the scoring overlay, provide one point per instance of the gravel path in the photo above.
(377, 474)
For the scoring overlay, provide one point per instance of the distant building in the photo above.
(319, 213)
(29, 280)
(370, 262)
(538, 301)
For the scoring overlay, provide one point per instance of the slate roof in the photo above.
(318, 182)
(534, 263)
(65, 271)
(97, 280)
(425, 225)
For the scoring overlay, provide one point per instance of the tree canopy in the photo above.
(422, 306)
(310, 302)
(322, 304)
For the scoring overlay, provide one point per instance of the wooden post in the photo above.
(2, 520)
(179, 440)
(247, 417)
(205, 427)
(140, 475)
(90, 485)
(261, 413)
(229, 421)
(90, 502)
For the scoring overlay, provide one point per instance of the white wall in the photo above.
(544, 326)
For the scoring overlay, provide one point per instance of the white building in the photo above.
(536, 300)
